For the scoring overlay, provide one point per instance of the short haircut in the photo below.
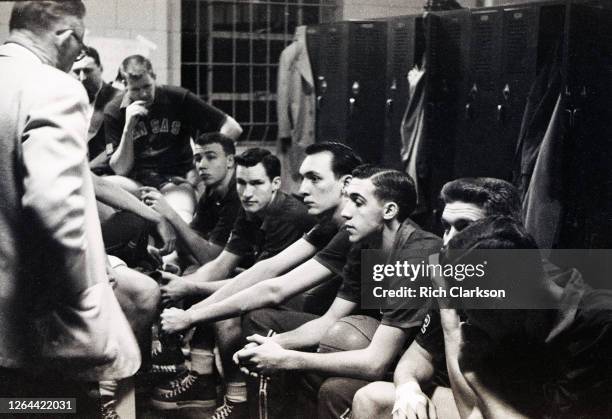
(494, 196)
(93, 53)
(344, 159)
(40, 16)
(390, 185)
(217, 138)
(253, 156)
(135, 67)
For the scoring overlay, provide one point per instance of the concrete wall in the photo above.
(118, 28)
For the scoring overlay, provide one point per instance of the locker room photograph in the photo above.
(491, 120)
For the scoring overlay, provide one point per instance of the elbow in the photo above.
(375, 371)
(274, 294)
(231, 128)
(119, 169)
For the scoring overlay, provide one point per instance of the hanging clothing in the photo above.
(544, 205)
(295, 106)
(413, 134)
(538, 111)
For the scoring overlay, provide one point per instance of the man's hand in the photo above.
(176, 289)
(412, 403)
(174, 320)
(266, 357)
(167, 236)
(135, 109)
(154, 198)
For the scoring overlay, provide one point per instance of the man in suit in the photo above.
(51, 241)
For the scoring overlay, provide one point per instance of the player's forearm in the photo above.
(414, 367)
(258, 296)
(305, 336)
(198, 246)
(210, 272)
(122, 160)
(465, 398)
(254, 275)
(118, 198)
(357, 364)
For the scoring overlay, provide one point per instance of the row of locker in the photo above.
(480, 64)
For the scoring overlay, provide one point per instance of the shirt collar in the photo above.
(17, 50)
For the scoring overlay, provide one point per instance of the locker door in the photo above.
(331, 99)
(447, 58)
(365, 87)
(588, 113)
(518, 71)
(401, 42)
(447, 39)
(313, 44)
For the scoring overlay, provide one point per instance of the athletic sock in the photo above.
(236, 392)
(202, 361)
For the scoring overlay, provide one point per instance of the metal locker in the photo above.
(351, 86)
(405, 47)
(332, 109)
(313, 45)
(477, 147)
(447, 57)
(587, 115)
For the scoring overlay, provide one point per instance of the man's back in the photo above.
(45, 247)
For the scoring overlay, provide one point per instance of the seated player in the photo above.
(418, 372)
(267, 223)
(89, 72)
(325, 173)
(148, 130)
(530, 362)
(376, 217)
(204, 238)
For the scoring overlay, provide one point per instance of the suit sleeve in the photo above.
(54, 155)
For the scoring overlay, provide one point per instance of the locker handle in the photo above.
(389, 107)
(355, 90)
(501, 110)
(572, 116)
(322, 90)
(469, 111)
(389, 102)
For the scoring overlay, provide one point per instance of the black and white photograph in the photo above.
(306, 209)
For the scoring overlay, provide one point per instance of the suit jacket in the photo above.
(50, 241)
(295, 106)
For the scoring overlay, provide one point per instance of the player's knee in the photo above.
(328, 392)
(373, 401)
(144, 294)
(149, 297)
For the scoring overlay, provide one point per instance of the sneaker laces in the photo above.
(224, 411)
(183, 386)
(108, 410)
(178, 380)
